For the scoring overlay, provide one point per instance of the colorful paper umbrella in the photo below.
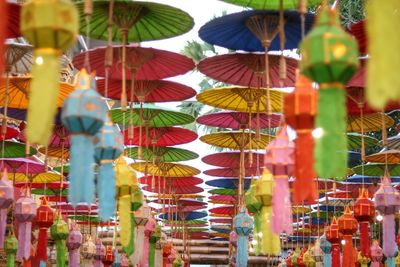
(222, 199)
(377, 169)
(14, 150)
(223, 191)
(56, 192)
(59, 138)
(56, 198)
(358, 30)
(148, 91)
(232, 159)
(393, 142)
(220, 229)
(56, 152)
(236, 140)
(236, 31)
(354, 141)
(388, 156)
(20, 114)
(174, 190)
(18, 90)
(175, 209)
(221, 220)
(228, 183)
(164, 182)
(182, 202)
(191, 236)
(21, 165)
(243, 99)
(354, 188)
(368, 123)
(147, 63)
(13, 18)
(161, 154)
(43, 177)
(240, 120)
(271, 4)
(79, 206)
(10, 132)
(62, 169)
(370, 179)
(248, 69)
(162, 136)
(194, 223)
(166, 169)
(233, 173)
(228, 210)
(18, 58)
(219, 235)
(194, 215)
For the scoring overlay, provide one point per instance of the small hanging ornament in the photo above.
(11, 247)
(88, 251)
(300, 258)
(347, 227)
(74, 242)
(300, 108)
(334, 236)
(317, 253)
(108, 256)
(25, 213)
(59, 232)
(279, 161)
(51, 26)
(233, 238)
(149, 229)
(44, 219)
(83, 116)
(108, 148)
(364, 212)
(326, 247)
(153, 241)
(100, 253)
(167, 250)
(330, 58)
(6, 199)
(243, 226)
(376, 254)
(124, 260)
(308, 258)
(364, 260)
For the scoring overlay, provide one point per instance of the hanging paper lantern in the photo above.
(167, 250)
(52, 28)
(74, 242)
(124, 260)
(376, 254)
(317, 254)
(233, 238)
(279, 161)
(270, 242)
(100, 253)
(308, 259)
(364, 260)
(25, 212)
(295, 255)
(117, 259)
(300, 108)
(11, 247)
(254, 207)
(83, 115)
(171, 258)
(6, 199)
(88, 251)
(364, 212)
(108, 256)
(159, 248)
(44, 219)
(326, 247)
(141, 216)
(59, 232)
(330, 58)
(149, 229)
(109, 147)
(153, 241)
(334, 236)
(243, 226)
(178, 261)
(347, 227)
(300, 258)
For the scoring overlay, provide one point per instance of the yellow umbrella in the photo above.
(19, 88)
(389, 156)
(165, 169)
(55, 152)
(220, 215)
(43, 177)
(245, 99)
(368, 123)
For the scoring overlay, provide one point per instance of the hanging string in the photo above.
(109, 50)
(87, 11)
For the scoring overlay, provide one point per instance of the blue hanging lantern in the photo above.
(83, 115)
(243, 225)
(326, 247)
(108, 148)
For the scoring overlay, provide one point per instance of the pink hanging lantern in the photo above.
(6, 199)
(74, 242)
(100, 253)
(149, 229)
(376, 254)
(233, 238)
(124, 260)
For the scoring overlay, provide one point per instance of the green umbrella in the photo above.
(14, 150)
(223, 191)
(377, 169)
(191, 230)
(161, 154)
(271, 4)
(354, 141)
(50, 192)
(65, 169)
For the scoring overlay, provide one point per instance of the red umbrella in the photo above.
(13, 19)
(226, 210)
(11, 132)
(171, 181)
(51, 185)
(21, 165)
(340, 194)
(80, 207)
(161, 136)
(174, 190)
(59, 138)
(221, 220)
(248, 69)
(359, 32)
(147, 63)
(223, 199)
(175, 209)
(230, 172)
(232, 159)
(55, 198)
(100, 223)
(149, 91)
(182, 202)
(354, 188)
(240, 120)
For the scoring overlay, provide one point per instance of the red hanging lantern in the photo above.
(347, 226)
(167, 250)
(300, 109)
(44, 219)
(364, 212)
(108, 257)
(300, 258)
(334, 237)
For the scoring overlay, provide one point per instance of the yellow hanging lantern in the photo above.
(51, 26)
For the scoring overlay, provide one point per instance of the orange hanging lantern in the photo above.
(334, 236)
(108, 257)
(348, 226)
(44, 219)
(300, 109)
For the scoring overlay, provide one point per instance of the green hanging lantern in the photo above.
(254, 207)
(153, 241)
(59, 232)
(137, 199)
(330, 58)
(10, 247)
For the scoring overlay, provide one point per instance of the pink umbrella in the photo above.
(232, 159)
(21, 165)
(230, 172)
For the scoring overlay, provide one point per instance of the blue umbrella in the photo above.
(315, 220)
(370, 179)
(331, 208)
(20, 114)
(220, 230)
(185, 216)
(228, 183)
(231, 31)
(354, 159)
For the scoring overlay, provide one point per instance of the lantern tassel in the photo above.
(61, 252)
(152, 253)
(24, 240)
(3, 224)
(331, 148)
(10, 260)
(73, 258)
(43, 96)
(146, 247)
(130, 249)
(124, 204)
(41, 249)
(391, 262)
(335, 253)
(365, 249)
(281, 207)
(242, 251)
(327, 259)
(348, 251)
(106, 190)
(270, 244)
(81, 187)
(389, 242)
(257, 230)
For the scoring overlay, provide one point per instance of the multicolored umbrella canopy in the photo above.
(393, 142)
(21, 165)
(232, 31)
(165, 169)
(59, 138)
(240, 120)
(18, 58)
(11, 132)
(222, 199)
(43, 177)
(58, 193)
(370, 179)
(175, 209)
(187, 216)
(152, 116)
(244, 99)
(359, 32)
(20, 114)
(13, 19)
(354, 141)
(10, 149)
(148, 91)
(45, 185)
(247, 69)
(220, 220)
(174, 182)
(236, 140)
(228, 210)
(162, 136)
(55, 151)
(228, 183)
(271, 4)
(183, 202)
(161, 154)
(391, 156)
(147, 63)
(233, 173)
(62, 169)
(191, 236)
(368, 123)
(223, 191)
(232, 159)
(377, 169)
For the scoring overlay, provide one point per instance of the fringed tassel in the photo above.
(81, 186)
(3, 224)
(257, 231)
(145, 257)
(389, 236)
(24, 240)
(41, 249)
(365, 249)
(43, 96)
(152, 253)
(242, 252)
(304, 187)
(331, 148)
(61, 252)
(130, 249)
(281, 207)
(327, 259)
(106, 190)
(73, 258)
(335, 255)
(10, 260)
(270, 244)
(348, 250)
(124, 204)
(391, 262)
